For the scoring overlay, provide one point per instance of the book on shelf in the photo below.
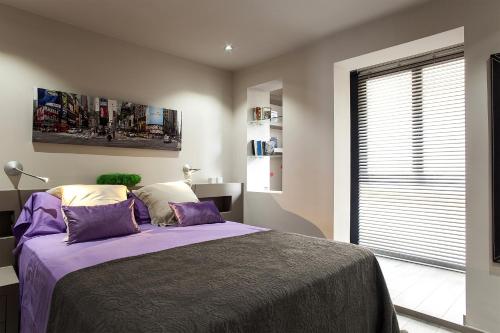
(259, 148)
(265, 148)
(256, 147)
(268, 147)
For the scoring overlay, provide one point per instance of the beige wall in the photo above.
(39, 52)
(306, 204)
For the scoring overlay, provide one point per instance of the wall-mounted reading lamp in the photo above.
(188, 173)
(15, 169)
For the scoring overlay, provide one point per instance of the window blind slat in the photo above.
(411, 161)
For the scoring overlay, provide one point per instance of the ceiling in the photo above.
(198, 29)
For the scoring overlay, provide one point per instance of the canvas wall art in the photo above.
(67, 118)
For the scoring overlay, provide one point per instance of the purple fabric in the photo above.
(45, 260)
(41, 215)
(140, 210)
(87, 223)
(194, 213)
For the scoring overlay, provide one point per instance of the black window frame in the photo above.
(355, 77)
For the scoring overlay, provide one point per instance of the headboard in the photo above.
(228, 197)
(9, 211)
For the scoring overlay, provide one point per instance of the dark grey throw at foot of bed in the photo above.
(262, 282)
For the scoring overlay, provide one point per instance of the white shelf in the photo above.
(265, 156)
(272, 122)
(277, 126)
(265, 191)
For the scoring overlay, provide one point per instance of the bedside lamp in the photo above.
(188, 173)
(15, 169)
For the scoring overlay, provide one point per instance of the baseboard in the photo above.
(436, 320)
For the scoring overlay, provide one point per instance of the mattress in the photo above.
(262, 282)
(45, 260)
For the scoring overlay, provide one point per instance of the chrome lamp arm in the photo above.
(15, 168)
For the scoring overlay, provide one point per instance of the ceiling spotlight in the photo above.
(228, 48)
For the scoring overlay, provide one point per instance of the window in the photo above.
(408, 168)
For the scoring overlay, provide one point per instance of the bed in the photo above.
(223, 277)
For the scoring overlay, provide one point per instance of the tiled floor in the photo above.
(416, 326)
(430, 290)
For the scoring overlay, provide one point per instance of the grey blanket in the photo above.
(262, 282)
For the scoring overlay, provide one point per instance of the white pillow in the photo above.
(89, 195)
(157, 196)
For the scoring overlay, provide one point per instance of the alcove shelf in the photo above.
(264, 172)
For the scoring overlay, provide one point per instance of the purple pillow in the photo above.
(141, 211)
(87, 223)
(41, 215)
(193, 213)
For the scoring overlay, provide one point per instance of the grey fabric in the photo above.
(262, 282)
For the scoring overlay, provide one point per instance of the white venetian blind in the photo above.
(411, 160)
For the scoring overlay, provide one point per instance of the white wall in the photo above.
(306, 204)
(38, 52)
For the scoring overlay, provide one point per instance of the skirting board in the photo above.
(436, 320)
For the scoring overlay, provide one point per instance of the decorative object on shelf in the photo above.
(267, 113)
(268, 147)
(68, 118)
(274, 142)
(14, 170)
(216, 180)
(127, 179)
(257, 113)
(188, 173)
(262, 113)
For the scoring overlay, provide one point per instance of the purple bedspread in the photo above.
(46, 259)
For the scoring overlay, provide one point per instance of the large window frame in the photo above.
(415, 65)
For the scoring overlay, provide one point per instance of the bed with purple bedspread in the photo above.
(223, 277)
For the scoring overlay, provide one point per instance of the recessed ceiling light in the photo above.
(228, 48)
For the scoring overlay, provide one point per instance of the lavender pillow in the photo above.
(193, 213)
(41, 215)
(141, 211)
(87, 223)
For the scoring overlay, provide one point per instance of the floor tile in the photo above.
(418, 326)
(434, 291)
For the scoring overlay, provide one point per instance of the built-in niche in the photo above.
(265, 137)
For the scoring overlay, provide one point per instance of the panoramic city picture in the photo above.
(67, 118)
